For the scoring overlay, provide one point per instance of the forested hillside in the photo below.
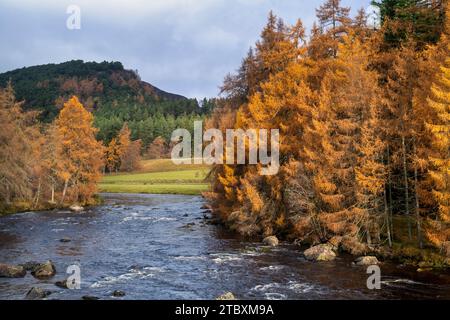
(364, 120)
(113, 94)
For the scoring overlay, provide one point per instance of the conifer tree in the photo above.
(80, 155)
(439, 231)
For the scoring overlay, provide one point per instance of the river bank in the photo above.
(162, 247)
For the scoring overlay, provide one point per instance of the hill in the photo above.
(104, 87)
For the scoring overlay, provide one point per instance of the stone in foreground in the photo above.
(76, 208)
(36, 294)
(44, 270)
(226, 296)
(118, 293)
(321, 252)
(11, 271)
(30, 265)
(271, 241)
(61, 284)
(366, 261)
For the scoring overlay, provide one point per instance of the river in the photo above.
(161, 247)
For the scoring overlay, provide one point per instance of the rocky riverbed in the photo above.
(164, 247)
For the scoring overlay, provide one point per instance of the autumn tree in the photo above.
(420, 19)
(439, 230)
(130, 160)
(18, 156)
(112, 156)
(158, 149)
(334, 21)
(80, 155)
(363, 131)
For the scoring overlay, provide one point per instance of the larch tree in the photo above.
(17, 154)
(112, 156)
(334, 21)
(439, 231)
(130, 160)
(80, 155)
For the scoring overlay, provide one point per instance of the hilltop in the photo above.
(99, 86)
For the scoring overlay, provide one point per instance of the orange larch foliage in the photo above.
(79, 154)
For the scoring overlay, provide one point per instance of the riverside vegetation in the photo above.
(364, 119)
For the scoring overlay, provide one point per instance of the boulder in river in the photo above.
(366, 261)
(76, 208)
(321, 252)
(65, 240)
(36, 294)
(30, 265)
(62, 284)
(12, 271)
(118, 293)
(271, 241)
(90, 298)
(44, 270)
(226, 296)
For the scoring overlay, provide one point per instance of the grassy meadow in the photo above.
(159, 176)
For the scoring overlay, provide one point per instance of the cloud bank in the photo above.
(181, 46)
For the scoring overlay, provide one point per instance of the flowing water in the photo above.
(161, 247)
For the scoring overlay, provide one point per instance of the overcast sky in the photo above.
(181, 46)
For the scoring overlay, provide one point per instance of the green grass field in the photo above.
(159, 176)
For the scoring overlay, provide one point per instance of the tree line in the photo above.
(47, 165)
(364, 120)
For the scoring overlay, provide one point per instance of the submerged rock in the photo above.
(12, 271)
(424, 269)
(226, 296)
(271, 241)
(44, 270)
(321, 252)
(188, 226)
(118, 293)
(36, 294)
(76, 208)
(64, 240)
(62, 284)
(90, 298)
(366, 261)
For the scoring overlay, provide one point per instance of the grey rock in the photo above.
(12, 271)
(62, 284)
(30, 265)
(321, 252)
(271, 241)
(226, 296)
(36, 293)
(366, 261)
(44, 270)
(76, 208)
(118, 293)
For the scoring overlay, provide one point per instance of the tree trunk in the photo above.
(388, 224)
(418, 222)
(405, 176)
(390, 221)
(66, 183)
(38, 194)
(369, 238)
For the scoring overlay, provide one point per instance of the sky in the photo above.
(180, 46)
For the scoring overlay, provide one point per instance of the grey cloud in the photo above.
(181, 46)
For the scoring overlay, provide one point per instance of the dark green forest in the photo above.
(113, 94)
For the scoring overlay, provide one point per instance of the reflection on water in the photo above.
(159, 247)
